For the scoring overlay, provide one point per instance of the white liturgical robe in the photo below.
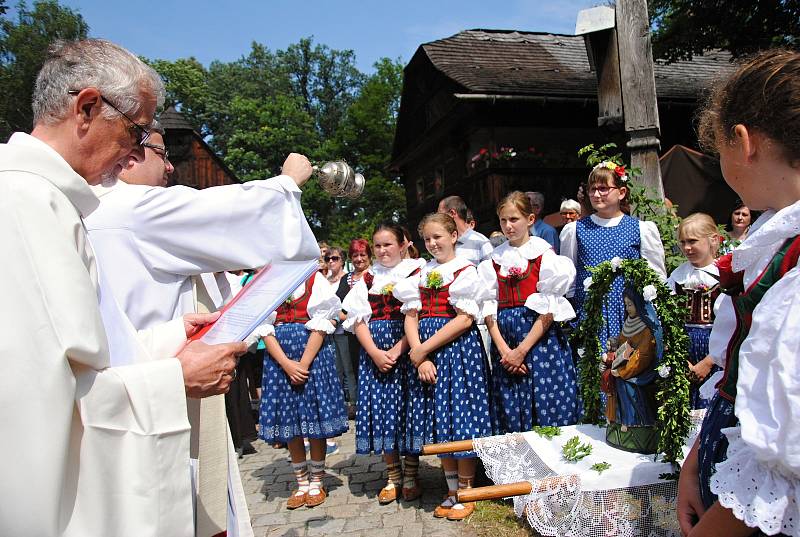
(88, 449)
(151, 240)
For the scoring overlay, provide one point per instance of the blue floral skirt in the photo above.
(698, 349)
(548, 394)
(381, 396)
(457, 406)
(315, 409)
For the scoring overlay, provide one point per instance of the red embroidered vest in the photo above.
(436, 302)
(744, 304)
(512, 292)
(385, 307)
(296, 311)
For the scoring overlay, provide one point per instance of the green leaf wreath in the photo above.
(672, 397)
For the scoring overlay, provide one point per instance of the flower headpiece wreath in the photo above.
(672, 396)
(618, 169)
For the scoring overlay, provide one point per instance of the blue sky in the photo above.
(223, 30)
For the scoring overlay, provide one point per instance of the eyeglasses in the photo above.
(602, 190)
(571, 213)
(332, 258)
(159, 150)
(142, 133)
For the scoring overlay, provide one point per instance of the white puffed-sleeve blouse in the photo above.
(760, 479)
(466, 290)
(323, 307)
(556, 276)
(356, 303)
(651, 247)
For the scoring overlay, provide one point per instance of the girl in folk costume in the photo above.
(743, 474)
(698, 280)
(606, 234)
(374, 315)
(533, 376)
(301, 395)
(447, 386)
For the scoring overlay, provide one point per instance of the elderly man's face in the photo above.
(155, 169)
(113, 143)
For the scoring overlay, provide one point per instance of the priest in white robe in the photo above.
(156, 242)
(93, 420)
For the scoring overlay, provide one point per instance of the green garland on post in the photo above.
(672, 397)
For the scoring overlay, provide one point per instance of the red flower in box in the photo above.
(515, 273)
(620, 170)
(732, 283)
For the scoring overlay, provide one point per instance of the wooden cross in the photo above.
(619, 50)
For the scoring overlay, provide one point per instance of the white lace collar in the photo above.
(508, 256)
(766, 234)
(691, 277)
(446, 269)
(401, 270)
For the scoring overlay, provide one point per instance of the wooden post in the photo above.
(619, 49)
(639, 91)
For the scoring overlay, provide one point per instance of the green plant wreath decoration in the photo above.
(672, 396)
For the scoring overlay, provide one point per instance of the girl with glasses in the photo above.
(608, 232)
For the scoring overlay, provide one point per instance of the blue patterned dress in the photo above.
(548, 394)
(315, 409)
(457, 406)
(595, 244)
(380, 417)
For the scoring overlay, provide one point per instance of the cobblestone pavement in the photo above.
(352, 508)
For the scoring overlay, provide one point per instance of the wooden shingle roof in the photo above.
(534, 63)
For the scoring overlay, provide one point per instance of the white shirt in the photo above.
(651, 248)
(64, 464)
(465, 292)
(556, 276)
(760, 479)
(153, 239)
(473, 246)
(356, 303)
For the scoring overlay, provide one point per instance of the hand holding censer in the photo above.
(338, 179)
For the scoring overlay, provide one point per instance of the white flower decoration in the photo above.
(649, 293)
(587, 283)
(616, 262)
(581, 351)
(664, 371)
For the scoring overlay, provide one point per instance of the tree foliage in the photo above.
(23, 46)
(683, 28)
(308, 99)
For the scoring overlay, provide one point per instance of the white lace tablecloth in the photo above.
(633, 497)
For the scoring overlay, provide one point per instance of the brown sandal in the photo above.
(461, 514)
(387, 495)
(313, 500)
(297, 499)
(442, 511)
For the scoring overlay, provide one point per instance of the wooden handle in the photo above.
(494, 492)
(447, 447)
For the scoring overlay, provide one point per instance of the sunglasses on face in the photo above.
(332, 258)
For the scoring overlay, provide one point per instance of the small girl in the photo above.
(448, 384)
(743, 473)
(698, 280)
(374, 316)
(533, 376)
(301, 395)
(608, 233)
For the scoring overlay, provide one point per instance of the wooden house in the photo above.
(467, 98)
(196, 164)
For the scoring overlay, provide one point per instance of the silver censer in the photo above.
(338, 179)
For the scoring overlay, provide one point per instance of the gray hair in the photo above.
(120, 77)
(570, 205)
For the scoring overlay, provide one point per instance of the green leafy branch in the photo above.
(573, 450)
(600, 467)
(547, 431)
